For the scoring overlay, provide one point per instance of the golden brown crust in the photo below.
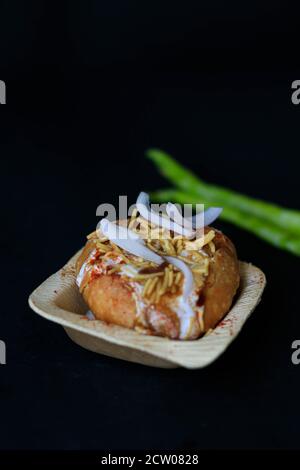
(222, 282)
(111, 298)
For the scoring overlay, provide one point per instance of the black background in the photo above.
(90, 86)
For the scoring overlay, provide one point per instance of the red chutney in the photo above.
(94, 258)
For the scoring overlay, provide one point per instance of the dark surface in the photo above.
(89, 89)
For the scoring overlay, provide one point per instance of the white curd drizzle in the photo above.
(185, 311)
(81, 273)
(90, 316)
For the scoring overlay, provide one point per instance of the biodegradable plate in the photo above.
(58, 299)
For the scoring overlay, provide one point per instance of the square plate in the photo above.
(58, 299)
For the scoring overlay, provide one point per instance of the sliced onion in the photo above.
(202, 219)
(114, 231)
(206, 217)
(134, 245)
(175, 214)
(143, 206)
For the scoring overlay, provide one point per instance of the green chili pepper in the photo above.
(266, 231)
(286, 219)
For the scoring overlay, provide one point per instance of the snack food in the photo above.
(178, 286)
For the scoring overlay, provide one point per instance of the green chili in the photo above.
(266, 231)
(286, 219)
